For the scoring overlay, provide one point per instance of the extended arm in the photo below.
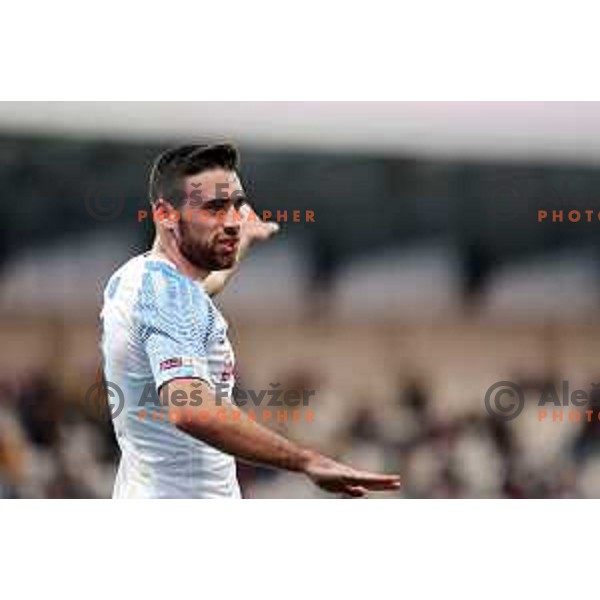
(224, 426)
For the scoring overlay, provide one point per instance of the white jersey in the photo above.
(158, 325)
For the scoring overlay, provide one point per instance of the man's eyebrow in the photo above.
(236, 197)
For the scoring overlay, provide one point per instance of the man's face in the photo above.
(209, 229)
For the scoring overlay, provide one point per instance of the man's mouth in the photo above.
(230, 245)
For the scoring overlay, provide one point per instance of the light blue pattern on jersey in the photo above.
(174, 320)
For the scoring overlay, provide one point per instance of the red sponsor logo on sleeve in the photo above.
(171, 363)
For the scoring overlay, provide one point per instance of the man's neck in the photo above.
(171, 252)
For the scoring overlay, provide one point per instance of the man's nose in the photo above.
(232, 221)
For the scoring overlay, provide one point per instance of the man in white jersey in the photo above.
(165, 344)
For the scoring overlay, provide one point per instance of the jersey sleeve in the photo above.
(174, 320)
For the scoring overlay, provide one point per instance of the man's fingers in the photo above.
(373, 481)
(256, 229)
(374, 477)
(381, 487)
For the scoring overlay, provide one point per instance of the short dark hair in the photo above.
(172, 166)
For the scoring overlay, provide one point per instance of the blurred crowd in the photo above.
(51, 446)
(472, 455)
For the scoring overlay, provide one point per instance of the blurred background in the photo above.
(425, 278)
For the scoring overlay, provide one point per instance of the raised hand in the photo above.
(254, 229)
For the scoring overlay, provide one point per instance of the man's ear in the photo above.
(165, 214)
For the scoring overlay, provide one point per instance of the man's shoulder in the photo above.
(146, 267)
(147, 284)
(158, 280)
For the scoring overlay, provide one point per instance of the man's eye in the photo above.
(239, 202)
